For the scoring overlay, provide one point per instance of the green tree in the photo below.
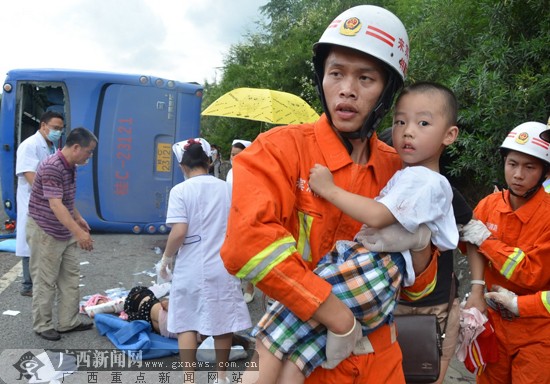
(493, 54)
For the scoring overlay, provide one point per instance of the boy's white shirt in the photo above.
(417, 195)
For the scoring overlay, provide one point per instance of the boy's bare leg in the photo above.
(268, 367)
(290, 373)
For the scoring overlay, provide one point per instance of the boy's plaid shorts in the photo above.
(367, 282)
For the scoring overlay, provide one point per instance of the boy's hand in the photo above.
(320, 180)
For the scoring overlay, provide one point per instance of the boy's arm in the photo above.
(360, 208)
(477, 267)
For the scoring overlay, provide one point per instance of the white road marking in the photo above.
(10, 276)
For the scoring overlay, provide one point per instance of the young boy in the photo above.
(424, 125)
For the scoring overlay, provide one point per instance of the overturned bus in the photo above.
(136, 118)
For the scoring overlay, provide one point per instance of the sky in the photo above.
(184, 40)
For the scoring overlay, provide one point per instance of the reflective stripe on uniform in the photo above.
(305, 222)
(413, 296)
(513, 260)
(262, 263)
(545, 297)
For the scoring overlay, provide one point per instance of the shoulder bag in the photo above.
(420, 338)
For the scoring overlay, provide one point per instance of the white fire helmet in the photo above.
(530, 138)
(372, 30)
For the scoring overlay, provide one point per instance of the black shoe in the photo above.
(26, 293)
(50, 334)
(79, 327)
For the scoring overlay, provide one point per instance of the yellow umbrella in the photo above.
(262, 105)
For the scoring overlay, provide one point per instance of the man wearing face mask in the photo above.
(30, 153)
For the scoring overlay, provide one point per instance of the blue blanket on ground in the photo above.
(134, 336)
(7, 245)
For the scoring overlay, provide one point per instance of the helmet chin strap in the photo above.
(365, 132)
(530, 192)
(369, 126)
(526, 195)
(382, 107)
(321, 94)
(374, 117)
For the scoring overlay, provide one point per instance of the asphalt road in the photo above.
(118, 260)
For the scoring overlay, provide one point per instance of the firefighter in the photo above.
(513, 235)
(278, 229)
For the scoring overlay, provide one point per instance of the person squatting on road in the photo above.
(30, 153)
(54, 229)
(512, 233)
(278, 230)
(204, 297)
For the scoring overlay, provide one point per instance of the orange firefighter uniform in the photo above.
(537, 305)
(517, 254)
(278, 230)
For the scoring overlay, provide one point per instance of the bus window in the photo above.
(34, 99)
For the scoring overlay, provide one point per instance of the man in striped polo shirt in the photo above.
(54, 228)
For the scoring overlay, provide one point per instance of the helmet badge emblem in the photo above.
(351, 26)
(522, 138)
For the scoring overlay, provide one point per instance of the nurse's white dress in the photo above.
(204, 297)
(30, 154)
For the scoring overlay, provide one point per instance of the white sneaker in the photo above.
(248, 297)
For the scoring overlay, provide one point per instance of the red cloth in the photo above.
(482, 350)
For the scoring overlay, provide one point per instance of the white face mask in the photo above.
(83, 164)
(54, 135)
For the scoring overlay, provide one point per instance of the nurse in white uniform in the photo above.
(204, 297)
